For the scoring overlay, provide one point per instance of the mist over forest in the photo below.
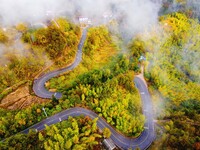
(106, 46)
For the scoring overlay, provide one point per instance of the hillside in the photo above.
(125, 71)
(172, 71)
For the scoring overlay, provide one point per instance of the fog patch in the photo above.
(133, 15)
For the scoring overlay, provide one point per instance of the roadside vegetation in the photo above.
(172, 71)
(55, 45)
(103, 82)
(59, 40)
(74, 133)
(108, 90)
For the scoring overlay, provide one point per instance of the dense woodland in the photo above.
(172, 70)
(59, 38)
(103, 82)
(55, 44)
(75, 133)
(108, 90)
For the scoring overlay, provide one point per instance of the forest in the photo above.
(75, 133)
(46, 46)
(105, 89)
(173, 73)
(103, 81)
(109, 90)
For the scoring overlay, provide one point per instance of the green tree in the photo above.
(3, 37)
(106, 133)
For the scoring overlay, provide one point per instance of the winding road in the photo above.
(38, 86)
(143, 141)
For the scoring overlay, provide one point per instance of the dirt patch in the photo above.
(20, 98)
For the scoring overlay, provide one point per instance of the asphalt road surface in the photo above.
(143, 141)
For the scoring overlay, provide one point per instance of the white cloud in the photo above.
(138, 14)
